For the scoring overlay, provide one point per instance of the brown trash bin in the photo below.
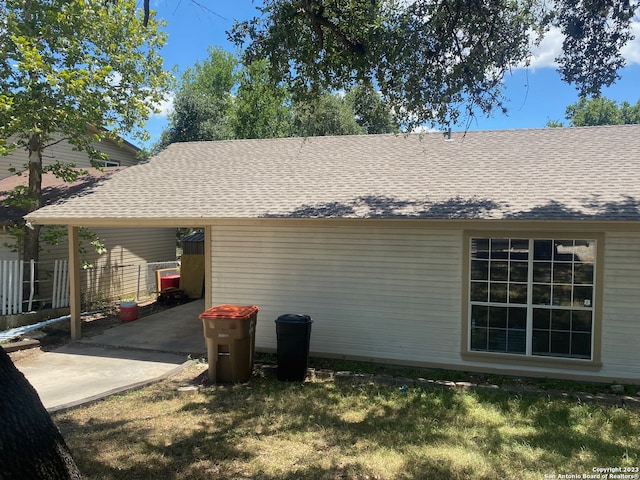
(229, 331)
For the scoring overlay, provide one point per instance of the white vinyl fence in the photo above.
(20, 292)
(11, 275)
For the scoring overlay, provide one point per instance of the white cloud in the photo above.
(631, 51)
(165, 107)
(544, 55)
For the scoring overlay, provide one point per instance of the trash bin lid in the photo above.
(294, 318)
(231, 312)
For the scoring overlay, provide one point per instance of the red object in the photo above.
(169, 281)
(230, 312)
(128, 311)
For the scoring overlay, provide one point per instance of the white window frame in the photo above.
(528, 357)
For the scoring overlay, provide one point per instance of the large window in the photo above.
(532, 297)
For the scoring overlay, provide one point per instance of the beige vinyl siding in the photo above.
(121, 271)
(373, 291)
(391, 291)
(64, 153)
(5, 252)
(621, 308)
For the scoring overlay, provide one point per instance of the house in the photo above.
(513, 252)
(120, 152)
(116, 272)
(119, 155)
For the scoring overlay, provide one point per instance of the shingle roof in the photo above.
(53, 189)
(553, 173)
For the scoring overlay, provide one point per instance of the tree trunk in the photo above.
(31, 447)
(31, 235)
(31, 245)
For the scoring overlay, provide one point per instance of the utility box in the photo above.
(229, 332)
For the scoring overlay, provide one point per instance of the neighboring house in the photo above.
(516, 252)
(121, 154)
(115, 273)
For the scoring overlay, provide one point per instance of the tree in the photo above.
(66, 65)
(600, 111)
(372, 113)
(219, 99)
(433, 61)
(328, 114)
(262, 109)
(203, 102)
(30, 444)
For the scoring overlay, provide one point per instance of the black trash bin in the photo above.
(294, 333)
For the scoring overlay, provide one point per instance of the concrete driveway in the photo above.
(123, 357)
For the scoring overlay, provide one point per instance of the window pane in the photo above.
(562, 295)
(563, 251)
(581, 321)
(560, 342)
(497, 340)
(499, 271)
(498, 293)
(540, 342)
(542, 272)
(562, 273)
(479, 339)
(519, 249)
(479, 270)
(479, 248)
(498, 317)
(581, 344)
(517, 318)
(560, 320)
(519, 272)
(583, 296)
(584, 274)
(499, 248)
(517, 293)
(542, 249)
(479, 292)
(479, 316)
(541, 295)
(516, 341)
(541, 318)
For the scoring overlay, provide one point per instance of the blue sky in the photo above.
(536, 94)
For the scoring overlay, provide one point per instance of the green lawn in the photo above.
(321, 430)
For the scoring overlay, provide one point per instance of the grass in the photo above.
(320, 430)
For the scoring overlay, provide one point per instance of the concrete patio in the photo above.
(123, 357)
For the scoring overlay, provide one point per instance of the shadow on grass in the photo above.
(268, 430)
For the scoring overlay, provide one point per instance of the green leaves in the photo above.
(78, 70)
(595, 32)
(219, 100)
(435, 62)
(602, 111)
(69, 63)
